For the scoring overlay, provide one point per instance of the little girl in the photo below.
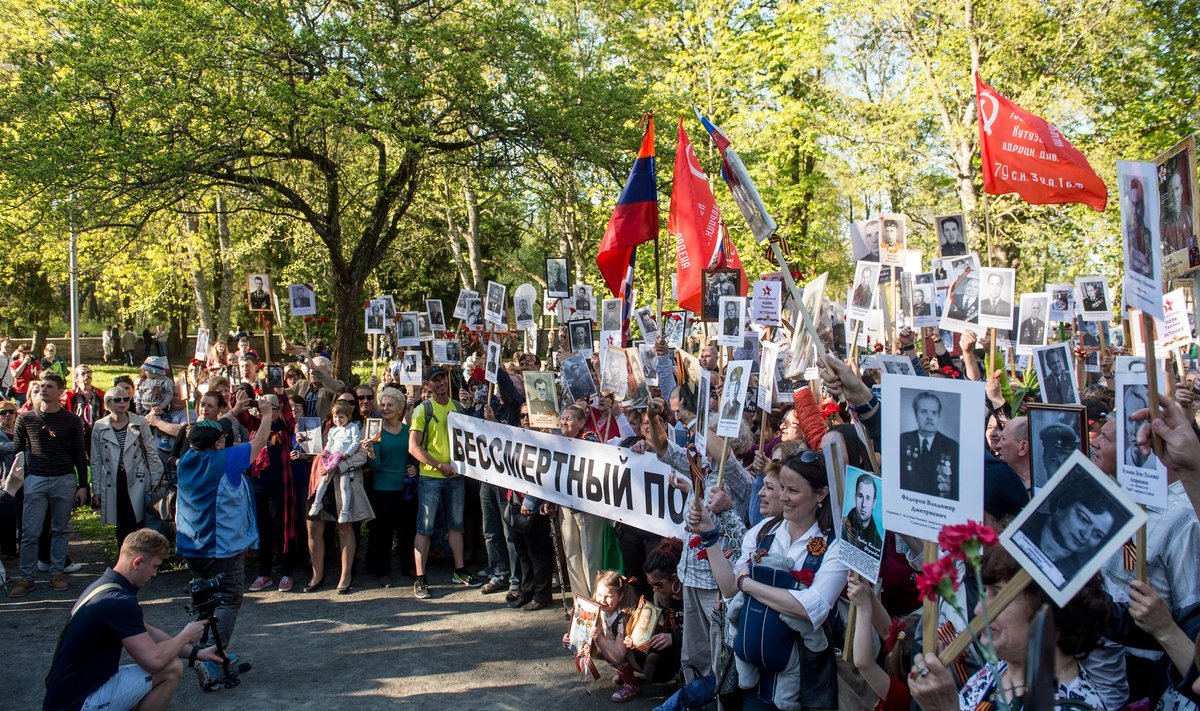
(343, 439)
(888, 681)
(615, 595)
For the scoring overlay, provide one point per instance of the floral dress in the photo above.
(977, 693)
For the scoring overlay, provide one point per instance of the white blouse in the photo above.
(820, 597)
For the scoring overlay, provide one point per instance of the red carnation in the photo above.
(938, 579)
(965, 542)
(324, 319)
(702, 554)
(830, 409)
(695, 542)
(804, 576)
(878, 347)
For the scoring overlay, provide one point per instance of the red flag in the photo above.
(1025, 154)
(695, 222)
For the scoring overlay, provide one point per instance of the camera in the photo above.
(206, 593)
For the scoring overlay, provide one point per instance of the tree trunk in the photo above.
(348, 322)
(226, 300)
(472, 235)
(454, 232)
(189, 228)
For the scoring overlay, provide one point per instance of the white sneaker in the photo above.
(73, 568)
(315, 510)
(344, 517)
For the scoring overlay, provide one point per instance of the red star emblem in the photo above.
(610, 340)
(766, 291)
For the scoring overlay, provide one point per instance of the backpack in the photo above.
(427, 409)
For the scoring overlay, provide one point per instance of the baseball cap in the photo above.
(433, 371)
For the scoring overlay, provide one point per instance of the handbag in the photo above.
(522, 523)
(162, 497)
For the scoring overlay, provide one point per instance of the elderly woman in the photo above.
(1077, 627)
(393, 491)
(125, 464)
(790, 672)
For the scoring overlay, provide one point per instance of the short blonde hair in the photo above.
(147, 543)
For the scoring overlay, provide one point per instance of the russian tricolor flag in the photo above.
(634, 221)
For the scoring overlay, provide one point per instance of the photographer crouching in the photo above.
(107, 618)
(215, 524)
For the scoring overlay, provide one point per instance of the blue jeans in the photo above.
(449, 495)
(502, 554)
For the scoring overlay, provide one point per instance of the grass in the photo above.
(88, 528)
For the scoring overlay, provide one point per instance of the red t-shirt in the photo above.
(898, 697)
(21, 381)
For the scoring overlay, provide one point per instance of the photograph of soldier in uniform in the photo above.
(929, 453)
(1054, 432)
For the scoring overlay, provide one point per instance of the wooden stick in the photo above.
(1012, 363)
(762, 428)
(991, 363)
(854, 346)
(374, 355)
(1015, 587)
(929, 612)
(724, 456)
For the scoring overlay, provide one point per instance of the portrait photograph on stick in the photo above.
(302, 300)
(577, 377)
(1137, 186)
(1062, 303)
(462, 305)
(542, 399)
(1055, 368)
(1178, 214)
(646, 323)
(715, 284)
(258, 292)
(1093, 298)
(733, 321)
(374, 317)
(862, 529)
(447, 352)
(1031, 324)
(733, 397)
(932, 453)
(996, 305)
(676, 327)
(892, 242)
(437, 317)
(556, 278)
(1055, 431)
(1071, 528)
(952, 239)
(1140, 472)
(862, 293)
(493, 310)
(579, 334)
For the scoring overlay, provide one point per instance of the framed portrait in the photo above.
(892, 239)
(1054, 432)
(1177, 214)
(410, 368)
(1093, 298)
(258, 292)
(862, 293)
(952, 238)
(373, 429)
(996, 301)
(408, 331)
(302, 300)
(610, 315)
(734, 396)
(1071, 528)
(474, 320)
(577, 377)
(308, 435)
(492, 362)
(1062, 303)
(463, 303)
(1031, 325)
(437, 317)
(447, 352)
(1055, 370)
(579, 334)
(556, 278)
(862, 529)
(733, 321)
(1140, 472)
(375, 317)
(1137, 186)
(715, 284)
(541, 398)
(676, 327)
(275, 376)
(642, 624)
(931, 455)
(493, 310)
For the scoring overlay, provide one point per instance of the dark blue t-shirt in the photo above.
(91, 645)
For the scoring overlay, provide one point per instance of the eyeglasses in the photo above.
(118, 399)
(4, 413)
(361, 398)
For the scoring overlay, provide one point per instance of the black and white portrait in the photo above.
(996, 303)
(733, 321)
(437, 317)
(870, 239)
(302, 300)
(675, 327)
(610, 315)
(1140, 472)
(492, 362)
(1071, 528)
(580, 335)
(494, 309)
(373, 429)
(556, 278)
(275, 376)
(1054, 432)
(718, 283)
(577, 377)
(895, 364)
(1093, 298)
(931, 453)
(1056, 374)
(649, 360)
(373, 315)
(614, 372)
(446, 352)
(646, 322)
(409, 331)
(862, 293)
(463, 304)
(258, 290)
(424, 326)
(308, 435)
(964, 301)
(952, 240)
(541, 398)
(733, 398)
(1031, 328)
(474, 318)
(1062, 302)
(410, 368)
(523, 307)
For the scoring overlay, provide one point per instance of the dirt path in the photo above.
(376, 649)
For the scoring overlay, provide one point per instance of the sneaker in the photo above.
(21, 588)
(286, 584)
(315, 510)
(210, 674)
(43, 566)
(627, 692)
(261, 582)
(73, 568)
(462, 577)
(58, 582)
(535, 604)
(492, 586)
(344, 517)
(421, 589)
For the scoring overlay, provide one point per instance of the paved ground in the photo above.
(375, 649)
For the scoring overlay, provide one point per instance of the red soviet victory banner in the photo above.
(1025, 154)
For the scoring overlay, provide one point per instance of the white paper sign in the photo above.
(733, 397)
(1140, 472)
(765, 305)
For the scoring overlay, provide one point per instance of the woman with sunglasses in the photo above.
(125, 464)
(9, 518)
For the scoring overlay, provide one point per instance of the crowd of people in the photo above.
(249, 477)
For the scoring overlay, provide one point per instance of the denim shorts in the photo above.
(449, 494)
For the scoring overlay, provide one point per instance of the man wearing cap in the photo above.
(215, 518)
(1058, 441)
(440, 487)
